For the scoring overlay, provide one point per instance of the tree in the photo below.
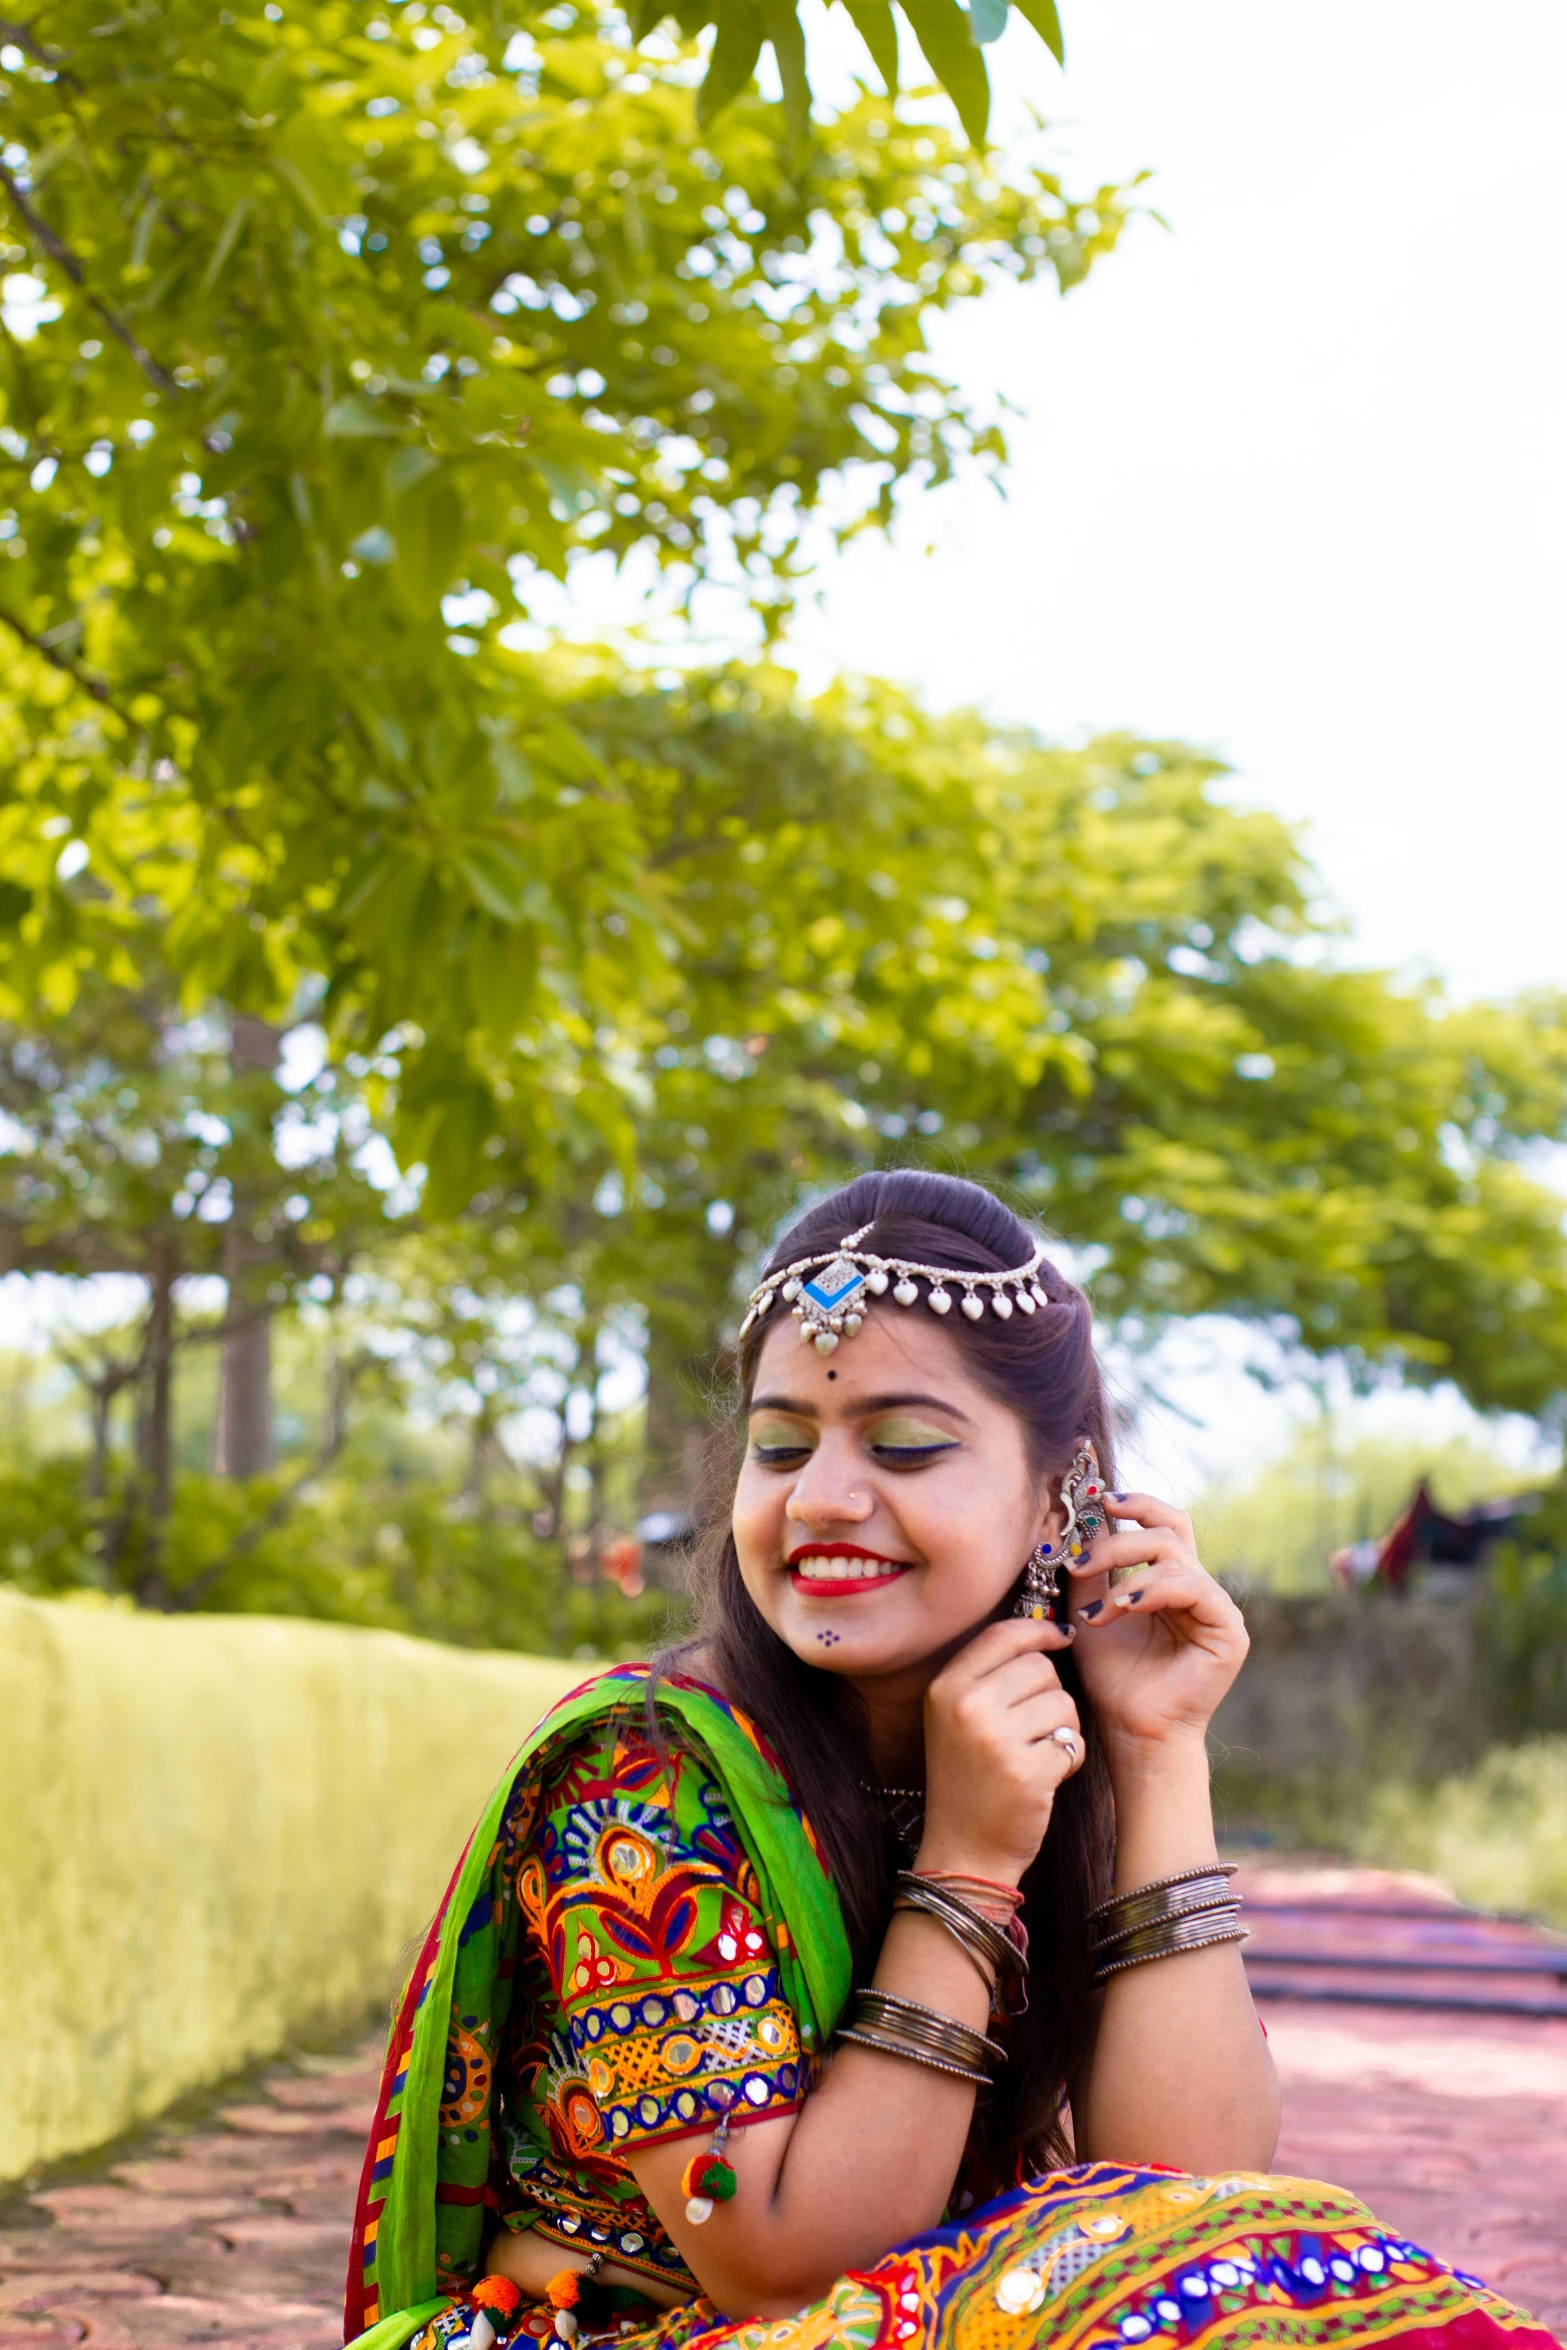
(1082, 972)
(1087, 974)
(327, 334)
(135, 1136)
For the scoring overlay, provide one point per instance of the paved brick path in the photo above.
(233, 2232)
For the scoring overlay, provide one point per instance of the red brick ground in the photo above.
(234, 2232)
(1452, 2127)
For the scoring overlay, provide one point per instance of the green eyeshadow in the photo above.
(903, 1434)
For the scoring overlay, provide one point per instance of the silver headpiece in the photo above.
(829, 1293)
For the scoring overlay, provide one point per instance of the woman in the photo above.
(865, 1972)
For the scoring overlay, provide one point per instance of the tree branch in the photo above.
(191, 1594)
(62, 661)
(60, 253)
(35, 49)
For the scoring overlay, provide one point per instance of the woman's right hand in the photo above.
(992, 1766)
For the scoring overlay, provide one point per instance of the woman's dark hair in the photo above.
(1042, 1367)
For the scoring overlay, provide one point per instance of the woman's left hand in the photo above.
(1158, 1649)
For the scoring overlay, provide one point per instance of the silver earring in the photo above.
(1082, 1493)
(1037, 1598)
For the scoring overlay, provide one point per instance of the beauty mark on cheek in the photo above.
(829, 1639)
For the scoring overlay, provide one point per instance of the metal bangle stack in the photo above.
(901, 2027)
(1193, 1911)
(996, 1956)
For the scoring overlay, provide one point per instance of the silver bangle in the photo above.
(1207, 1905)
(891, 2008)
(979, 1935)
(934, 2064)
(1169, 1943)
(902, 2027)
(1167, 1897)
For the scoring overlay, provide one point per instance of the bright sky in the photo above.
(1293, 477)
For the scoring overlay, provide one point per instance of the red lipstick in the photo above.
(874, 1571)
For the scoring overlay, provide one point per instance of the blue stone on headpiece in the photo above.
(835, 1286)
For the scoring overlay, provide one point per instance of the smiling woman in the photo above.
(886, 1912)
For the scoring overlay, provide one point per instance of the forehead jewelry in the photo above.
(829, 1293)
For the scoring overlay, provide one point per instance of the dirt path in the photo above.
(233, 2231)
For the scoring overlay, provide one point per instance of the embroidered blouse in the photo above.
(647, 2002)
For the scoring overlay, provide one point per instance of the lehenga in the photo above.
(641, 1938)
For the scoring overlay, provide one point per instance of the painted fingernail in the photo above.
(1127, 1598)
(1093, 1608)
(1118, 1496)
(1070, 1630)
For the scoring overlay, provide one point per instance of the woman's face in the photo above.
(886, 1505)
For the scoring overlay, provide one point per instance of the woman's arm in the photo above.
(871, 2156)
(1181, 2072)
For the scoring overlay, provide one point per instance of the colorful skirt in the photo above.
(1103, 2257)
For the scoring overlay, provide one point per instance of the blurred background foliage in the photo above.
(427, 1032)
(1274, 1530)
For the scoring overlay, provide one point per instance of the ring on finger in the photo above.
(1069, 1741)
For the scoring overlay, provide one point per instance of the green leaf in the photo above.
(382, 724)
(225, 244)
(15, 903)
(1046, 21)
(406, 467)
(947, 39)
(874, 22)
(733, 60)
(289, 172)
(429, 542)
(512, 771)
(783, 30)
(498, 878)
(351, 420)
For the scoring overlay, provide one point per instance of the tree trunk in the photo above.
(243, 1446)
(155, 1418)
(101, 1395)
(155, 1421)
(243, 1439)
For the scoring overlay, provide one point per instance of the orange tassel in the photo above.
(562, 2291)
(496, 2293)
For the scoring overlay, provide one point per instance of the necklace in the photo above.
(902, 1810)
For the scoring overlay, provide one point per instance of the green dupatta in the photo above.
(421, 2216)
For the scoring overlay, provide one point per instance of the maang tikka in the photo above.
(1082, 1498)
(831, 1292)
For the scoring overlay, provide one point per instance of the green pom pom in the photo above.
(717, 2181)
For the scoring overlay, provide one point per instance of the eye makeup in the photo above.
(904, 1441)
(774, 1442)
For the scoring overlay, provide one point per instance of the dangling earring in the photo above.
(1082, 1493)
(1040, 1590)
